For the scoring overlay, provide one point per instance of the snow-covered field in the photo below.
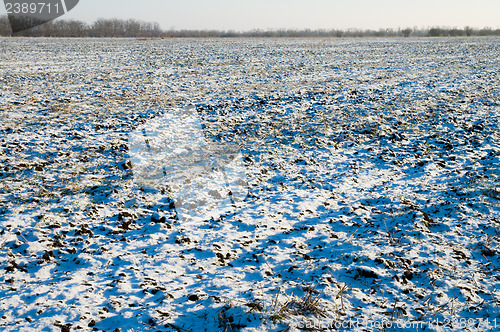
(369, 170)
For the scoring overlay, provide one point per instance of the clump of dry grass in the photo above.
(309, 304)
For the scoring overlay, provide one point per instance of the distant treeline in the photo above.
(73, 28)
(136, 28)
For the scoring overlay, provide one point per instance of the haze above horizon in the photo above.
(293, 14)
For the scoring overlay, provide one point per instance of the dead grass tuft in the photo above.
(309, 304)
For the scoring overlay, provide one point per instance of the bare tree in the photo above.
(407, 32)
(5, 29)
(468, 31)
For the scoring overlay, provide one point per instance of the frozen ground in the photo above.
(372, 172)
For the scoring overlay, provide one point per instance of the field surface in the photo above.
(249, 185)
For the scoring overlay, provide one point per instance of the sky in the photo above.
(243, 15)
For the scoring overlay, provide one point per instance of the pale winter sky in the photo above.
(299, 14)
